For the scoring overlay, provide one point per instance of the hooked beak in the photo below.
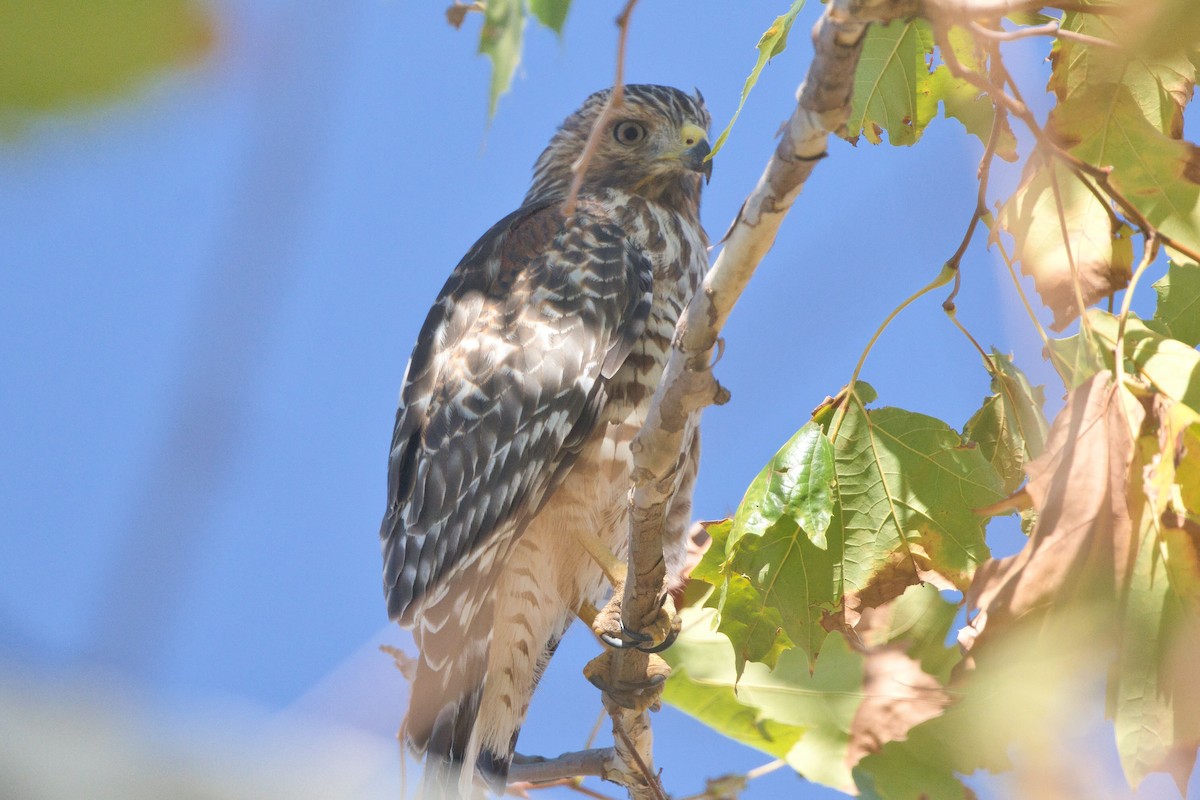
(696, 159)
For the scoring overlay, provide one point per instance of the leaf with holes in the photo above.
(892, 90)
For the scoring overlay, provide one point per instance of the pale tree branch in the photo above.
(687, 384)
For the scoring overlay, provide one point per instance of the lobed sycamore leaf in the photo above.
(770, 44)
(1178, 311)
(551, 13)
(500, 40)
(892, 90)
(1080, 246)
(55, 53)
(907, 487)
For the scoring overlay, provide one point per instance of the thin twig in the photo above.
(615, 99)
(999, 120)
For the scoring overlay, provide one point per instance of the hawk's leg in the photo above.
(608, 623)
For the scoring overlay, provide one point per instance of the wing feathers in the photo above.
(503, 388)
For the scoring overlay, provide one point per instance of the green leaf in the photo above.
(1104, 125)
(743, 616)
(770, 44)
(788, 712)
(500, 40)
(57, 53)
(907, 490)
(1179, 302)
(702, 685)
(551, 13)
(892, 89)
(1010, 428)
(798, 483)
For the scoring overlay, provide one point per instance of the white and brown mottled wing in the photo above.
(506, 381)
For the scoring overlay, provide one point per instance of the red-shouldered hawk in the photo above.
(532, 374)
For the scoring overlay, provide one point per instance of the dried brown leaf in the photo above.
(1079, 487)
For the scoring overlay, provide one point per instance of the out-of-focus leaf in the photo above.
(820, 721)
(1104, 125)
(892, 90)
(1170, 366)
(964, 102)
(702, 685)
(1179, 303)
(1157, 722)
(1160, 85)
(770, 44)
(56, 53)
(1053, 255)
(551, 13)
(500, 40)
(1010, 428)
(1079, 487)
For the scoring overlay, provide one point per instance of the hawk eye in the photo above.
(629, 132)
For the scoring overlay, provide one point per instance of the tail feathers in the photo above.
(454, 638)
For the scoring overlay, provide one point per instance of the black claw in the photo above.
(637, 636)
(615, 643)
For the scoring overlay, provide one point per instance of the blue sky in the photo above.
(209, 291)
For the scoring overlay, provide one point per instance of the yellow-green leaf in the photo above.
(551, 13)
(1104, 125)
(770, 44)
(892, 90)
(1179, 302)
(500, 40)
(55, 53)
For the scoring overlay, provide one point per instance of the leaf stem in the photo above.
(944, 276)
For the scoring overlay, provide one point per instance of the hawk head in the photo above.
(654, 145)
